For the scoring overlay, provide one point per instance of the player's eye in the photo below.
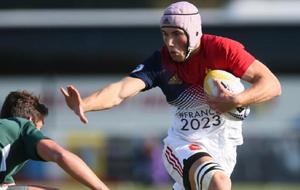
(178, 34)
(164, 33)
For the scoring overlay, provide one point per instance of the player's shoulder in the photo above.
(151, 63)
(210, 40)
(12, 127)
(20, 124)
(14, 121)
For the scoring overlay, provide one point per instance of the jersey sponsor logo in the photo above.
(138, 68)
(175, 80)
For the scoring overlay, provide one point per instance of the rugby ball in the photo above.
(231, 83)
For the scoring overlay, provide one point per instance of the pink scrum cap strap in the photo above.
(186, 16)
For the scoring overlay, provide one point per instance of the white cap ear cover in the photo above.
(186, 16)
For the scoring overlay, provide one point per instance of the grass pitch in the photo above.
(73, 185)
(238, 186)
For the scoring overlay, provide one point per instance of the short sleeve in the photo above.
(238, 58)
(31, 136)
(149, 70)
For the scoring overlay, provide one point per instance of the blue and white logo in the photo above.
(138, 68)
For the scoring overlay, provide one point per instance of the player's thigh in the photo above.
(175, 155)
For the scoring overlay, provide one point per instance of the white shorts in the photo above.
(220, 147)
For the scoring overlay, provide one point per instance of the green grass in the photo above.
(241, 186)
(72, 185)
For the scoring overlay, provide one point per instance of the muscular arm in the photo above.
(264, 85)
(113, 94)
(70, 163)
(105, 98)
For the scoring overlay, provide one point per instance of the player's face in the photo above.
(176, 41)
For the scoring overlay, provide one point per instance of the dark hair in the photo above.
(23, 104)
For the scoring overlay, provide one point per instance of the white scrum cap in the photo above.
(186, 16)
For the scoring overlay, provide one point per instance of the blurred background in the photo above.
(45, 45)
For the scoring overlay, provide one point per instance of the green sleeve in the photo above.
(31, 136)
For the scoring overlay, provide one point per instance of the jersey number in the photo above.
(3, 156)
(195, 124)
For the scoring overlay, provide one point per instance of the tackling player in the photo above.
(200, 149)
(22, 117)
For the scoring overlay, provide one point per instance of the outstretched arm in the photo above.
(70, 163)
(108, 97)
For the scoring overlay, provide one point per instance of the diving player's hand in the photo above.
(74, 101)
(225, 100)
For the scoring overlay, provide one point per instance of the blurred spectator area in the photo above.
(69, 37)
(119, 49)
(111, 37)
(12, 4)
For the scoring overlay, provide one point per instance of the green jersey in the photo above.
(18, 144)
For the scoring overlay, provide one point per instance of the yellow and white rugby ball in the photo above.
(231, 83)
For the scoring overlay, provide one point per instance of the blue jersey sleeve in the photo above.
(149, 70)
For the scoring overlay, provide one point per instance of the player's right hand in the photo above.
(74, 101)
